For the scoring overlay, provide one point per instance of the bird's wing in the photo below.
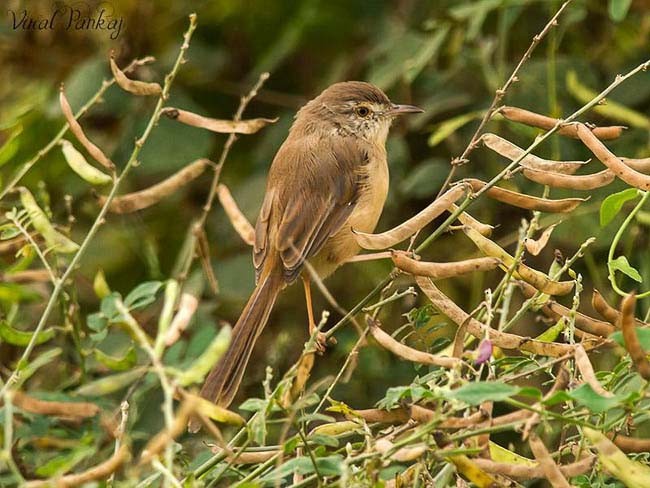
(314, 185)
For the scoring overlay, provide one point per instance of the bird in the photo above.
(328, 179)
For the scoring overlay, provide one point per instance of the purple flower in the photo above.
(484, 352)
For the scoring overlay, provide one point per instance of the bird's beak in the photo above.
(404, 109)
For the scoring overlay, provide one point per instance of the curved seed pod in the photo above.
(22, 338)
(551, 470)
(56, 409)
(158, 442)
(79, 165)
(640, 165)
(587, 371)
(26, 276)
(520, 200)
(409, 353)
(221, 126)
(580, 182)
(556, 311)
(402, 455)
(472, 471)
(632, 344)
(524, 472)
(187, 305)
(513, 152)
(336, 428)
(146, 198)
(608, 312)
(439, 271)
(78, 132)
(411, 226)
(534, 247)
(133, 86)
(543, 122)
(609, 159)
(499, 339)
(54, 239)
(238, 220)
(631, 444)
(536, 278)
(466, 219)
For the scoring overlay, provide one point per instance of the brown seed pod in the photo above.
(525, 472)
(409, 353)
(57, 409)
(26, 276)
(513, 152)
(543, 122)
(632, 344)
(536, 278)
(640, 165)
(217, 125)
(411, 226)
(136, 87)
(499, 339)
(78, 132)
(535, 246)
(99, 472)
(440, 271)
(238, 220)
(608, 312)
(556, 311)
(551, 470)
(587, 371)
(609, 159)
(521, 200)
(467, 219)
(146, 198)
(572, 182)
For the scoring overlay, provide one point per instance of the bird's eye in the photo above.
(362, 111)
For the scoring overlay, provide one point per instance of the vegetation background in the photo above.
(447, 57)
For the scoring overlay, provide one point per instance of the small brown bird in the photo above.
(329, 176)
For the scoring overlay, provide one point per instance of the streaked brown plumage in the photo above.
(329, 176)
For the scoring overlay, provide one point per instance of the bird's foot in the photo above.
(322, 341)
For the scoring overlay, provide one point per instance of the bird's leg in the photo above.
(321, 340)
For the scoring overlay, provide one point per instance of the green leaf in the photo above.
(621, 264)
(9, 231)
(199, 368)
(21, 338)
(63, 463)
(324, 440)
(642, 333)
(142, 295)
(484, 391)
(618, 9)
(444, 129)
(550, 334)
(613, 204)
(117, 364)
(327, 466)
(587, 397)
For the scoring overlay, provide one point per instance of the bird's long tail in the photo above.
(223, 381)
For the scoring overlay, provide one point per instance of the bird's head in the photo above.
(352, 108)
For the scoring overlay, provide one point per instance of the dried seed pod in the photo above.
(524, 472)
(572, 182)
(609, 159)
(640, 165)
(513, 152)
(534, 247)
(467, 219)
(56, 409)
(146, 198)
(54, 239)
(499, 339)
(402, 455)
(26, 276)
(536, 278)
(556, 311)
(187, 305)
(79, 165)
(409, 353)
(551, 470)
(158, 442)
(472, 471)
(221, 126)
(587, 371)
(608, 312)
(543, 122)
(632, 344)
(528, 202)
(238, 220)
(78, 132)
(439, 271)
(133, 86)
(411, 226)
